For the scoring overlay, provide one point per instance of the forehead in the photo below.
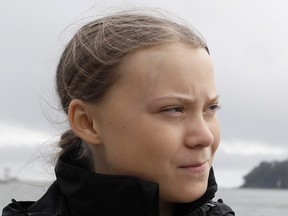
(169, 67)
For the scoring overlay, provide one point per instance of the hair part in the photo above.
(88, 65)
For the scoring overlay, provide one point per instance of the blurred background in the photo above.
(248, 44)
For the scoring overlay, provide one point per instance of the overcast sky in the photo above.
(248, 44)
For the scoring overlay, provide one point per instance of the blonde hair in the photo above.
(88, 65)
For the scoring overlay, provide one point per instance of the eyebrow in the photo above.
(185, 99)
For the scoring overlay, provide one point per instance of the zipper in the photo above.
(207, 203)
(197, 210)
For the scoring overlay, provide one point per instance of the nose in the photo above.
(198, 134)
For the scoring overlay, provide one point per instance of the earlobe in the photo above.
(81, 123)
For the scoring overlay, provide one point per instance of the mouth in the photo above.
(200, 167)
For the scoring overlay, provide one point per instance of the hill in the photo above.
(268, 175)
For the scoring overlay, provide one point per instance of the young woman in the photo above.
(141, 101)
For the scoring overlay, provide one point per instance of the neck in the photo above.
(165, 208)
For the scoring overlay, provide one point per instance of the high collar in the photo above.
(91, 193)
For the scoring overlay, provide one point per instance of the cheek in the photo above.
(215, 129)
(140, 152)
(125, 146)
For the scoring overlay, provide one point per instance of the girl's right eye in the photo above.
(173, 109)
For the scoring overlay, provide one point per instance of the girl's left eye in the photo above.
(214, 108)
(173, 109)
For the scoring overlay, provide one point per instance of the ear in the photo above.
(81, 123)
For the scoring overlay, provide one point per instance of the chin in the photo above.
(192, 196)
(187, 195)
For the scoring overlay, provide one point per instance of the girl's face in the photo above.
(159, 122)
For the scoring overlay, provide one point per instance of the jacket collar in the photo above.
(94, 194)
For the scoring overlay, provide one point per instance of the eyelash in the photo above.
(174, 109)
(213, 108)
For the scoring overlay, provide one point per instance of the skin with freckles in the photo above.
(159, 121)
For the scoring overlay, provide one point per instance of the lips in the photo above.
(197, 167)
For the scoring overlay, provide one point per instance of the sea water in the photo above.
(245, 202)
(21, 191)
(256, 202)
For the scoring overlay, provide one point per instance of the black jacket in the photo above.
(79, 191)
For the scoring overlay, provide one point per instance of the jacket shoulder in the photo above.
(48, 204)
(16, 208)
